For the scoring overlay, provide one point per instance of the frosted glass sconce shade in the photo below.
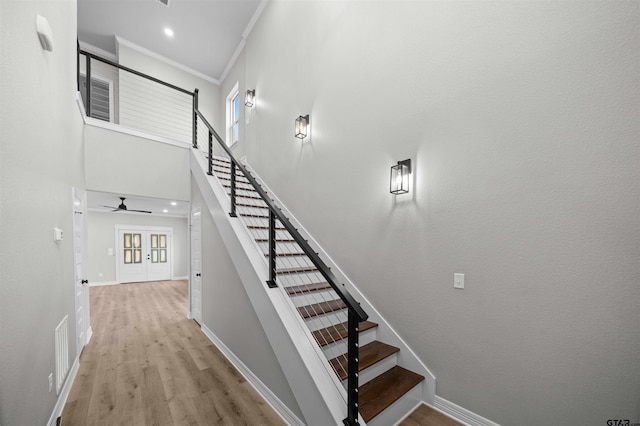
(302, 126)
(400, 174)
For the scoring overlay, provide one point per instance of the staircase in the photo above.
(382, 381)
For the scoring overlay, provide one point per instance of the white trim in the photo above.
(274, 402)
(154, 55)
(97, 51)
(64, 394)
(185, 277)
(129, 131)
(101, 283)
(460, 414)
(243, 41)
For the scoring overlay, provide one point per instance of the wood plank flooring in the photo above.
(427, 416)
(147, 364)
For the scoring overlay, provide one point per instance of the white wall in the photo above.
(101, 236)
(209, 93)
(125, 164)
(40, 161)
(227, 310)
(522, 122)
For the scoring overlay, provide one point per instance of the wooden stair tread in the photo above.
(253, 206)
(307, 288)
(279, 228)
(257, 216)
(375, 396)
(228, 185)
(335, 333)
(299, 270)
(287, 254)
(368, 355)
(321, 308)
(278, 240)
(252, 197)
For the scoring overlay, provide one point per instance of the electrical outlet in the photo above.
(458, 281)
(50, 382)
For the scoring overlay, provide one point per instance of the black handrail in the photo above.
(138, 73)
(304, 245)
(355, 312)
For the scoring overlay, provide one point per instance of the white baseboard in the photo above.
(64, 394)
(287, 415)
(99, 283)
(460, 414)
(180, 278)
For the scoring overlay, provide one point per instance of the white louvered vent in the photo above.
(101, 98)
(62, 352)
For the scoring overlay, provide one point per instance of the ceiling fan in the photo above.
(122, 207)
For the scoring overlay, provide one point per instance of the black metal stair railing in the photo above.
(355, 312)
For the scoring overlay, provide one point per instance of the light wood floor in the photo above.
(147, 364)
(427, 416)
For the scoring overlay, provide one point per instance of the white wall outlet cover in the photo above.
(58, 235)
(458, 281)
(44, 33)
(110, 251)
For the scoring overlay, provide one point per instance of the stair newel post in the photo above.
(194, 133)
(352, 370)
(210, 172)
(272, 250)
(88, 88)
(233, 188)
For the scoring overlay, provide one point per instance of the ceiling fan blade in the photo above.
(109, 207)
(139, 211)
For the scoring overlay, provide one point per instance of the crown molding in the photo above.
(154, 55)
(243, 41)
(96, 50)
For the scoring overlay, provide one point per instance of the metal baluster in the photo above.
(352, 378)
(272, 249)
(88, 83)
(233, 189)
(195, 120)
(210, 172)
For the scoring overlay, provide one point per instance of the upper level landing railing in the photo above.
(149, 102)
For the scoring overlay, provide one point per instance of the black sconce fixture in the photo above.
(400, 174)
(250, 98)
(302, 126)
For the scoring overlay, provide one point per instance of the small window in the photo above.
(233, 116)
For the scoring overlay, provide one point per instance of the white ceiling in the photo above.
(207, 32)
(97, 200)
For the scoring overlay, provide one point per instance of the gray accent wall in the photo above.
(522, 122)
(41, 157)
(229, 314)
(101, 236)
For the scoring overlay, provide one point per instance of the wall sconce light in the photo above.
(302, 126)
(400, 174)
(250, 98)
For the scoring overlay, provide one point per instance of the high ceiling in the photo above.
(106, 202)
(206, 32)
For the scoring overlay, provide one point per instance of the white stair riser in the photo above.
(304, 299)
(399, 409)
(340, 347)
(375, 370)
(327, 320)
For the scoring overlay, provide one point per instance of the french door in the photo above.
(144, 254)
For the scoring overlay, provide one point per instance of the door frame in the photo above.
(81, 303)
(196, 211)
(144, 228)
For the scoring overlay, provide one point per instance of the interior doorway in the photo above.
(143, 253)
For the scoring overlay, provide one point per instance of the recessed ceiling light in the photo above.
(173, 203)
(165, 211)
(168, 32)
